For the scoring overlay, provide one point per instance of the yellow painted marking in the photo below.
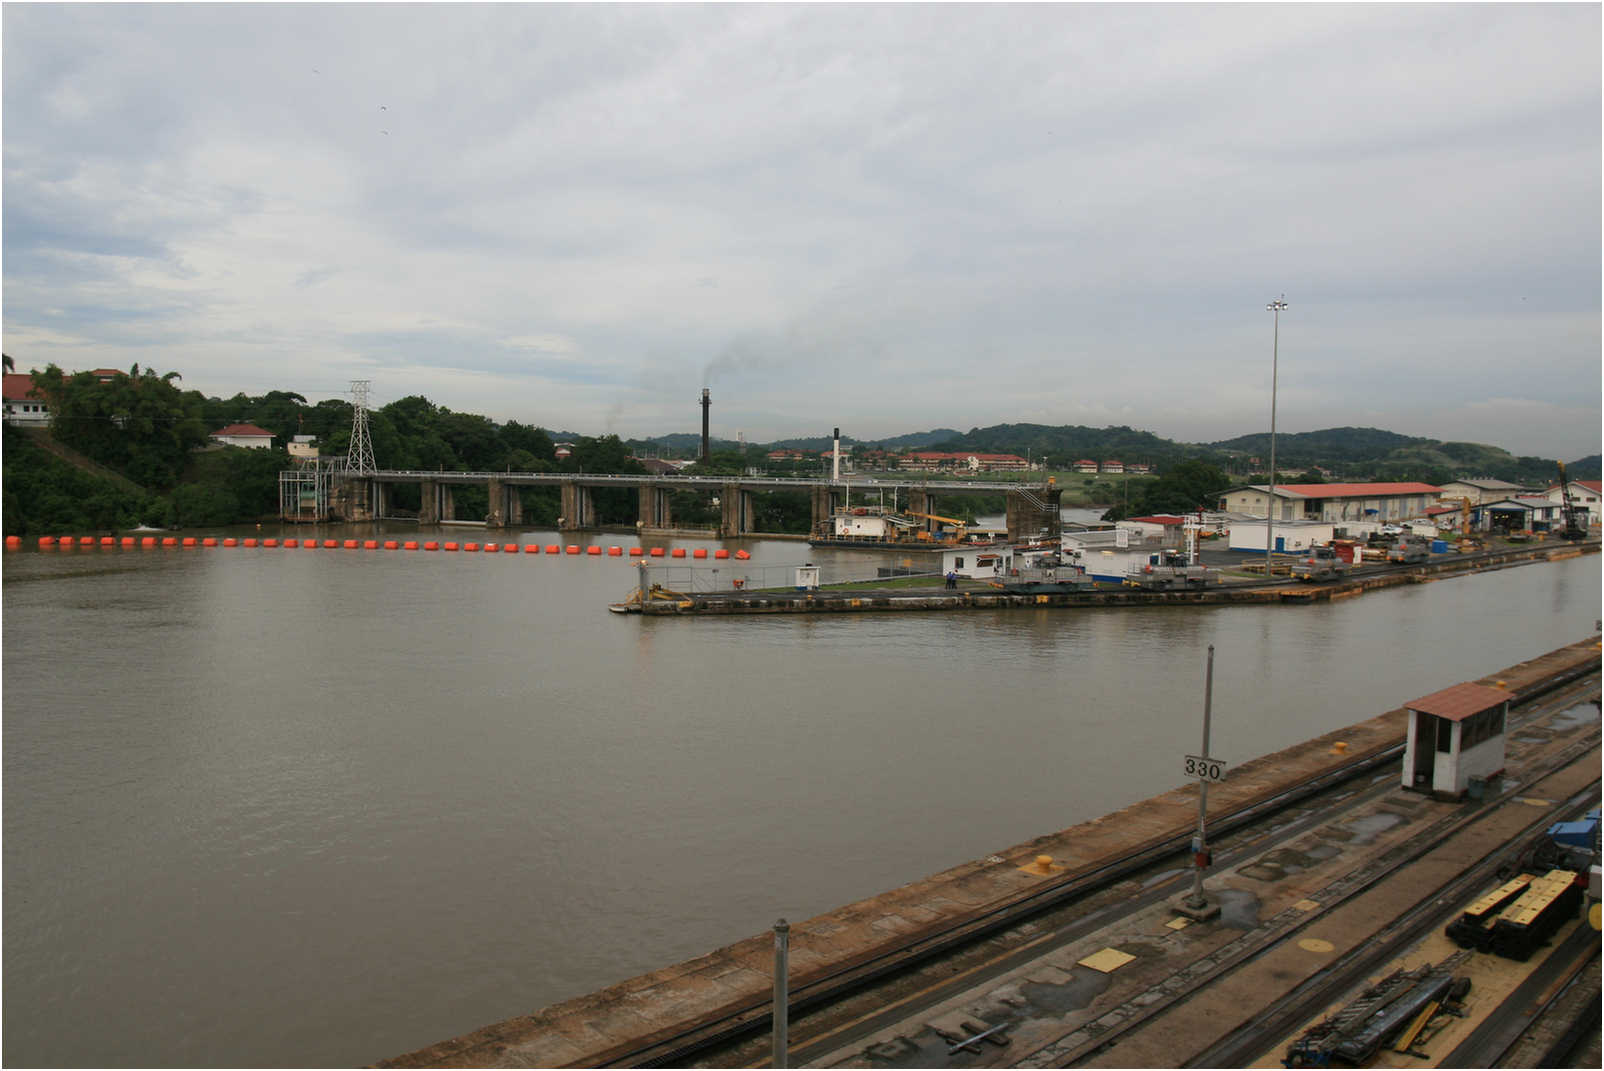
(1314, 944)
(1041, 600)
(1594, 917)
(1306, 905)
(1108, 960)
(1178, 924)
(1533, 802)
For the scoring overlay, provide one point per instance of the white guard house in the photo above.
(978, 562)
(1455, 735)
(1290, 536)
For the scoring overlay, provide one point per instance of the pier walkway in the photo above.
(1344, 883)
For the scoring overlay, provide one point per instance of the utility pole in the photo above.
(1269, 510)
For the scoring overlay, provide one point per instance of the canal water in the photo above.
(274, 807)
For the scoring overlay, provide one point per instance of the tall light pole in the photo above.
(1274, 307)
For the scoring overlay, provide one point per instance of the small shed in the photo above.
(978, 562)
(1455, 736)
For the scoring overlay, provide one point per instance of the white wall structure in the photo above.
(1454, 735)
(1292, 536)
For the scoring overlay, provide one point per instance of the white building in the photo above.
(1479, 490)
(1290, 536)
(1105, 554)
(1334, 502)
(1453, 736)
(304, 446)
(1583, 493)
(24, 407)
(978, 562)
(247, 435)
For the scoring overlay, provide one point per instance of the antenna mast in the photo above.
(360, 457)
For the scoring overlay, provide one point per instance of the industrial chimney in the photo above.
(707, 400)
(835, 465)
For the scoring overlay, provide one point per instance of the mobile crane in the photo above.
(1574, 528)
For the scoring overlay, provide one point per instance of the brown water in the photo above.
(270, 807)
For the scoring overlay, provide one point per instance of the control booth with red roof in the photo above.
(1455, 737)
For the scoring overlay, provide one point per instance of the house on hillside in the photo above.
(25, 408)
(247, 435)
(303, 446)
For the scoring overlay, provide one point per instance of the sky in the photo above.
(884, 218)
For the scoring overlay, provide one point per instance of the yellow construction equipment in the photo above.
(954, 521)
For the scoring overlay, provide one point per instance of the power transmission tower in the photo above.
(360, 457)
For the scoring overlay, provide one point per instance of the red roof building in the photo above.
(246, 435)
(23, 404)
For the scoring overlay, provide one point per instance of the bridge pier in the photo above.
(654, 511)
(578, 511)
(506, 508)
(437, 502)
(735, 511)
(1034, 514)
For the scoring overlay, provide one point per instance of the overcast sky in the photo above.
(885, 218)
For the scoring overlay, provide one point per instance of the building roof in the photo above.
(19, 386)
(1460, 702)
(1595, 486)
(1487, 483)
(1158, 519)
(1523, 501)
(1340, 490)
(242, 429)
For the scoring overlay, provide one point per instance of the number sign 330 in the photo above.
(1205, 769)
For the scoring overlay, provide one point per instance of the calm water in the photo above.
(273, 807)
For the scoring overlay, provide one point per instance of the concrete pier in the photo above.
(616, 1023)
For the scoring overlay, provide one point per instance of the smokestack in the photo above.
(707, 400)
(835, 466)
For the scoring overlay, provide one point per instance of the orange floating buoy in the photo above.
(470, 546)
(370, 544)
(552, 548)
(451, 546)
(13, 541)
(721, 553)
(308, 544)
(331, 544)
(250, 542)
(593, 550)
(615, 552)
(492, 548)
(230, 542)
(573, 549)
(411, 544)
(390, 544)
(148, 541)
(742, 555)
(269, 542)
(634, 552)
(656, 552)
(189, 541)
(699, 552)
(47, 541)
(169, 541)
(351, 544)
(127, 541)
(531, 548)
(108, 541)
(509, 548)
(431, 545)
(292, 543)
(677, 552)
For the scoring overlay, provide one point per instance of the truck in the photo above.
(1169, 569)
(1321, 563)
(1409, 551)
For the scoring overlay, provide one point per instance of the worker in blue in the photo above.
(952, 579)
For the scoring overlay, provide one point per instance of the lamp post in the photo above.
(1274, 307)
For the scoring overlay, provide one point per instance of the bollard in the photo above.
(782, 996)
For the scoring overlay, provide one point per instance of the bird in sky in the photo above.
(386, 133)
(382, 108)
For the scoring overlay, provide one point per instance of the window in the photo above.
(1445, 734)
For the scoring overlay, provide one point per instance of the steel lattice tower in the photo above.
(360, 457)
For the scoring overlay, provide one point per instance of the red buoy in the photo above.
(742, 555)
(108, 541)
(721, 553)
(552, 548)
(292, 543)
(390, 544)
(189, 541)
(450, 546)
(370, 544)
(699, 552)
(593, 550)
(656, 552)
(470, 546)
(230, 542)
(250, 542)
(351, 544)
(148, 541)
(128, 541)
(677, 552)
(47, 541)
(13, 541)
(169, 541)
(331, 544)
(615, 552)
(509, 548)
(531, 548)
(411, 544)
(269, 542)
(432, 545)
(573, 549)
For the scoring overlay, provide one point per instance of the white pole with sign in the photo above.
(1197, 905)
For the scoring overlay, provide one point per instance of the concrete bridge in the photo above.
(314, 493)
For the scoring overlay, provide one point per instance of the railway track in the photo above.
(852, 1001)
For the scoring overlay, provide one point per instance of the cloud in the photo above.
(896, 217)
